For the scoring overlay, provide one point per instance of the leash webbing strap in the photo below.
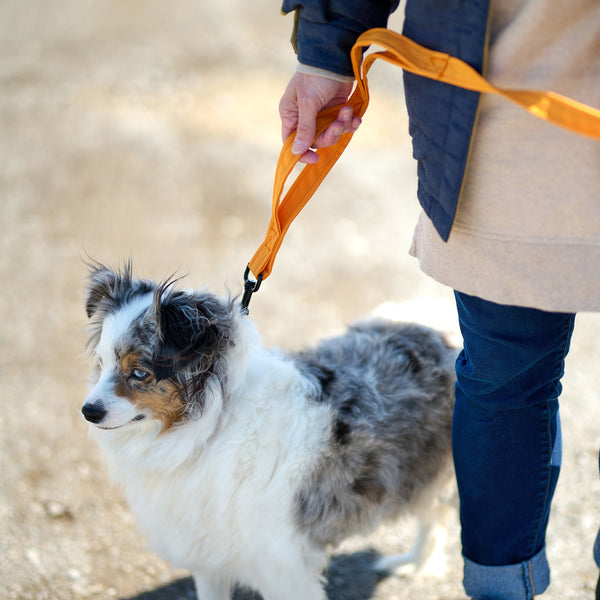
(410, 56)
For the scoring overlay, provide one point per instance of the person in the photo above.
(511, 221)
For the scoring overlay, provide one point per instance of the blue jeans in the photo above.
(507, 443)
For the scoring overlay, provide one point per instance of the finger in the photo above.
(345, 116)
(288, 126)
(342, 124)
(289, 120)
(345, 123)
(330, 136)
(305, 134)
(310, 157)
(308, 108)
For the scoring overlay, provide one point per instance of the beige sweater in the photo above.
(527, 230)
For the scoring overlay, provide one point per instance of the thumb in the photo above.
(307, 124)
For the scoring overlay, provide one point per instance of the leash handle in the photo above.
(285, 210)
(410, 56)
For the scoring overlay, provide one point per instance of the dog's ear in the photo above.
(106, 284)
(102, 283)
(193, 330)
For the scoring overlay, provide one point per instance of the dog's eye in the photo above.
(139, 374)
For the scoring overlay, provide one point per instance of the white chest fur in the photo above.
(208, 500)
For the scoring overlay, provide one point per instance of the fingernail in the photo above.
(297, 147)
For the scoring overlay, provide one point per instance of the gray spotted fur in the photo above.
(391, 390)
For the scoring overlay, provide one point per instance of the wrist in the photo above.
(319, 72)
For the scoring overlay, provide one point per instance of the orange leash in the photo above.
(410, 56)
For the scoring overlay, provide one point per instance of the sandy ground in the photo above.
(150, 130)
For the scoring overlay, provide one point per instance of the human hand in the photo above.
(305, 96)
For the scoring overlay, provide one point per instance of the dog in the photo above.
(243, 464)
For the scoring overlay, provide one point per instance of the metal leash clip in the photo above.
(250, 286)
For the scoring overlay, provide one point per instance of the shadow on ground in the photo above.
(349, 577)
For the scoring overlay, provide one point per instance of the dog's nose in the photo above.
(94, 413)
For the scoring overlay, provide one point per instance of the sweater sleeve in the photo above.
(327, 29)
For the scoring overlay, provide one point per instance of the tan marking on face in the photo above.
(130, 361)
(162, 399)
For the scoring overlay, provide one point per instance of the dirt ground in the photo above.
(149, 130)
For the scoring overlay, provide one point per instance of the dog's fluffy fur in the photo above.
(242, 464)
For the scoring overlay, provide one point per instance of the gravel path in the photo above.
(150, 130)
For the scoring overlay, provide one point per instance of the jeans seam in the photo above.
(546, 490)
(563, 352)
(531, 587)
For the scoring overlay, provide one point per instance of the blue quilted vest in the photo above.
(442, 117)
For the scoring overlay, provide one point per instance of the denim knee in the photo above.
(512, 356)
